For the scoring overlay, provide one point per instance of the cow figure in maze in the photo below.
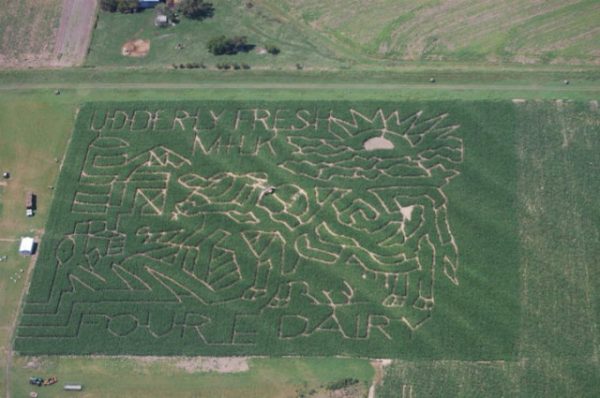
(391, 213)
(369, 196)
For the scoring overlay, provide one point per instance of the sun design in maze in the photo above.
(247, 233)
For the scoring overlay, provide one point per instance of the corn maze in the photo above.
(238, 229)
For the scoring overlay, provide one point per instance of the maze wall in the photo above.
(229, 229)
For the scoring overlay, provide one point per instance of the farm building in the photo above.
(27, 246)
(149, 3)
(161, 21)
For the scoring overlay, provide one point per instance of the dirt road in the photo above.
(75, 32)
(290, 86)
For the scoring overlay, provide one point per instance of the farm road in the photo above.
(295, 86)
(75, 32)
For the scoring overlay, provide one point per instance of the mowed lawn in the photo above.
(34, 132)
(186, 42)
(152, 377)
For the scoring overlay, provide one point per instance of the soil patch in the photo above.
(378, 143)
(213, 364)
(33, 363)
(136, 48)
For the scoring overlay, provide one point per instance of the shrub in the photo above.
(222, 45)
(196, 9)
(127, 6)
(108, 5)
(343, 383)
(271, 49)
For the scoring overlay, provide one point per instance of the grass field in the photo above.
(545, 364)
(28, 31)
(383, 33)
(287, 377)
(231, 18)
(473, 31)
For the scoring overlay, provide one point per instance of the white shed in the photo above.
(26, 247)
(161, 20)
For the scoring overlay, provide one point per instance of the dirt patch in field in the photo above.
(378, 143)
(136, 48)
(33, 363)
(197, 364)
(213, 364)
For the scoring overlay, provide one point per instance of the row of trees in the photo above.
(193, 9)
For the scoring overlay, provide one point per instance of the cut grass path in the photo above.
(411, 82)
(297, 86)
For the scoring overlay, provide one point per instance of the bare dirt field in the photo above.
(45, 33)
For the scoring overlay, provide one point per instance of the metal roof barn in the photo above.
(26, 246)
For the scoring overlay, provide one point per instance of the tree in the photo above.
(196, 9)
(222, 45)
(108, 5)
(272, 49)
(127, 6)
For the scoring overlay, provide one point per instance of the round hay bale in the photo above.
(56, 92)
(566, 82)
(6, 175)
(432, 80)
